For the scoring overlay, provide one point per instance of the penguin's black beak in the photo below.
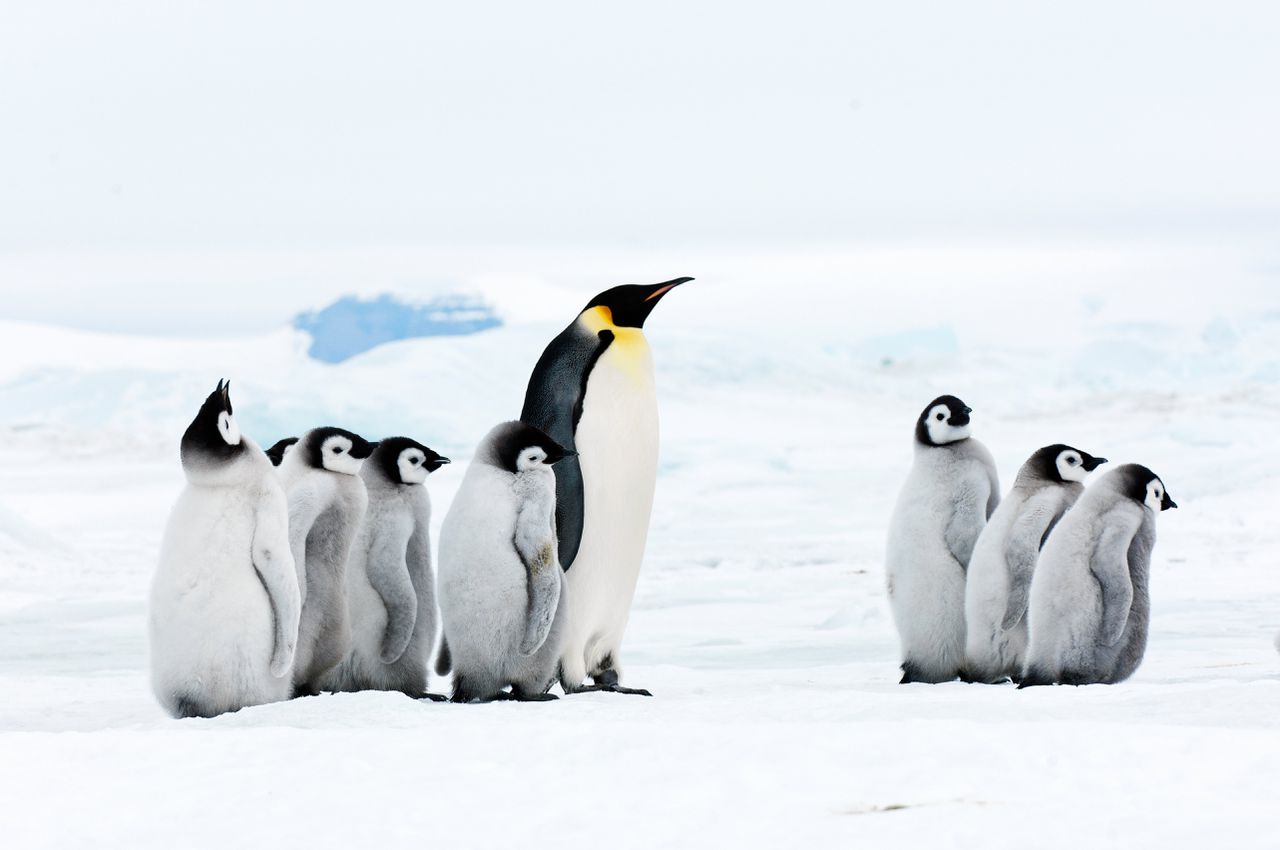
(360, 452)
(961, 418)
(436, 462)
(1166, 503)
(1091, 463)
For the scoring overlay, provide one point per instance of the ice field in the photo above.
(788, 387)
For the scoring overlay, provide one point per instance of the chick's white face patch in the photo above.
(941, 431)
(228, 428)
(530, 458)
(335, 455)
(412, 465)
(1155, 495)
(1071, 466)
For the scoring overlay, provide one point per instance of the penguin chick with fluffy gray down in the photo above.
(999, 577)
(950, 492)
(502, 591)
(224, 601)
(390, 583)
(327, 501)
(1089, 602)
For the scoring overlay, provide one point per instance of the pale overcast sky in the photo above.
(212, 130)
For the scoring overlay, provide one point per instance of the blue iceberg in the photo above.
(351, 325)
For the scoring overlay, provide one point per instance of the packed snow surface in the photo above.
(760, 622)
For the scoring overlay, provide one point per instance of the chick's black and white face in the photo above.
(1071, 466)
(945, 423)
(228, 429)
(530, 458)
(335, 454)
(1157, 497)
(213, 436)
(412, 466)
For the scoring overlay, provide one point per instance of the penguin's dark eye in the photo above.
(413, 460)
(1071, 461)
(940, 417)
(337, 450)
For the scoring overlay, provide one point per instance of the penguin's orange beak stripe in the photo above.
(658, 293)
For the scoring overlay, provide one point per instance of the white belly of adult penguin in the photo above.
(593, 393)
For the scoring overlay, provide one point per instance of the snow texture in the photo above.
(760, 623)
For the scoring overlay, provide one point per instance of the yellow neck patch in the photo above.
(629, 347)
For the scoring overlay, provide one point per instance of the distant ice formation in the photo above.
(351, 325)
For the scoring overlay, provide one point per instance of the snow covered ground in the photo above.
(789, 386)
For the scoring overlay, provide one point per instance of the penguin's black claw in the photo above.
(433, 697)
(518, 697)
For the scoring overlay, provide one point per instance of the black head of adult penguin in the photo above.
(630, 304)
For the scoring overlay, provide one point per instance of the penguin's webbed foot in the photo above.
(1035, 678)
(609, 689)
(911, 673)
(1071, 677)
(430, 697)
(606, 681)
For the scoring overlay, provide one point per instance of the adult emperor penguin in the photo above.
(501, 586)
(593, 393)
(327, 501)
(224, 601)
(390, 584)
(1004, 558)
(1089, 603)
(950, 492)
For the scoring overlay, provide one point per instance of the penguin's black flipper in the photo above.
(553, 404)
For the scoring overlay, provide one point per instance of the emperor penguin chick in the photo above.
(1089, 601)
(502, 591)
(224, 602)
(327, 501)
(950, 492)
(999, 576)
(390, 584)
